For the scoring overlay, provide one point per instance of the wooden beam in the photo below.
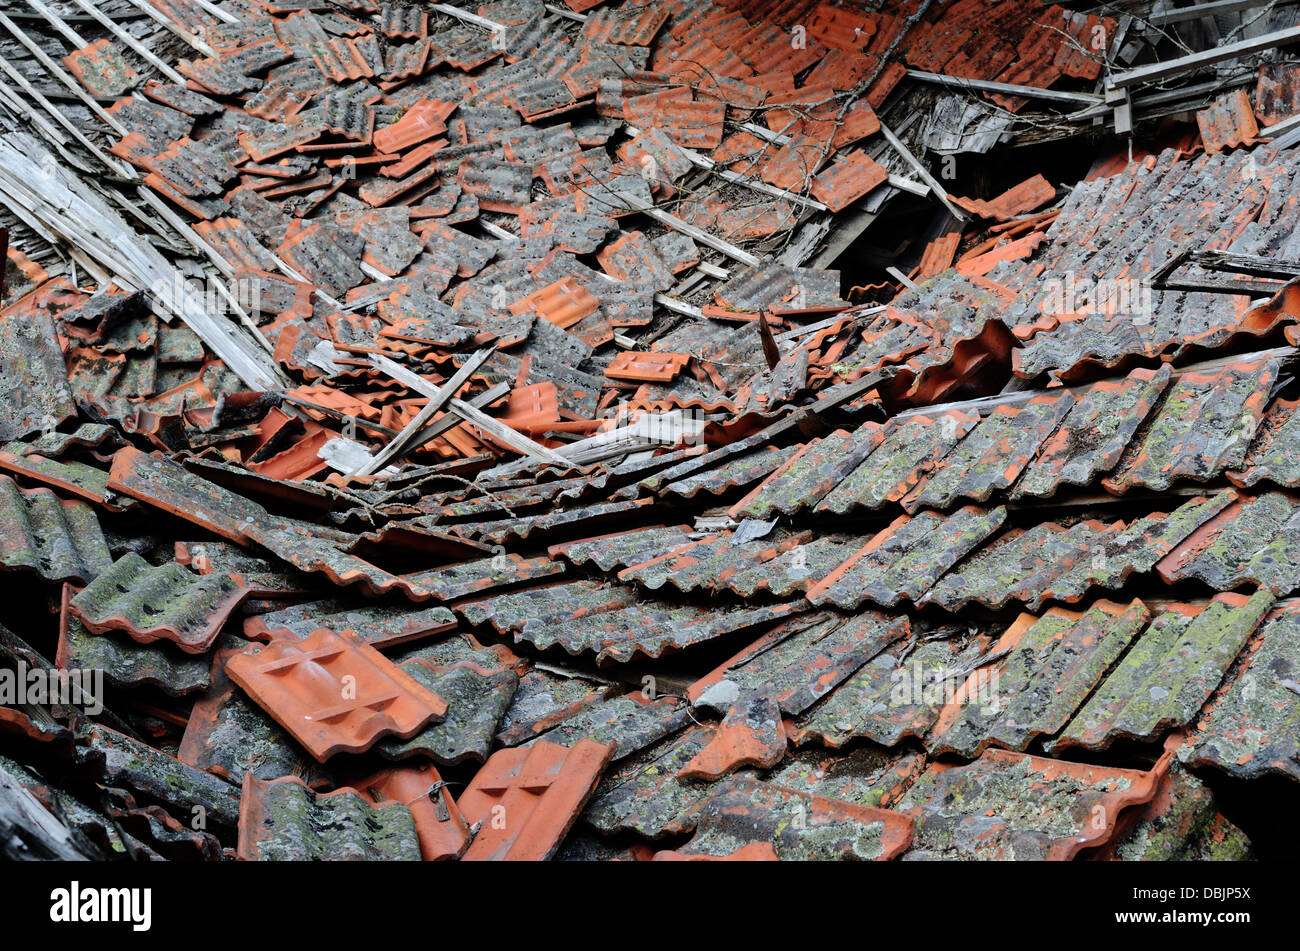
(148, 8)
(57, 71)
(467, 17)
(754, 184)
(1215, 8)
(59, 117)
(504, 434)
(66, 206)
(55, 21)
(217, 12)
(422, 418)
(126, 38)
(1010, 89)
(940, 192)
(1185, 64)
(451, 420)
(471, 414)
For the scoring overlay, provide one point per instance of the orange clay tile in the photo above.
(1228, 122)
(847, 180)
(413, 160)
(796, 163)
(639, 367)
(564, 303)
(751, 734)
(26, 266)
(333, 692)
(1011, 251)
(527, 799)
(422, 121)
(441, 827)
(1030, 194)
(938, 255)
(884, 84)
(532, 407)
(858, 123)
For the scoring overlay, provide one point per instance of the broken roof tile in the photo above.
(228, 735)
(1228, 122)
(379, 625)
(497, 184)
(441, 828)
(1053, 662)
(164, 484)
(167, 602)
(1270, 457)
(101, 68)
(645, 793)
(992, 455)
(1030, 194)
(846, 180)
(810, 474)
(908, 451)
(655, 367)
(897, 694)
(1012, 806)
(622, 549)
(1204, 426)
(34, 367)
(1248, 730)
(703, 565)
(283, 820)
(802, 659)
(798, 826)
(633, 258)
(1251, 540)
(132, 764)
(127, 663)
(476, 697)
(72, 478)
(1094, 434)
(750, 735)
(56, 539)
(627, 723)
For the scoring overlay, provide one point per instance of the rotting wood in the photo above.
(165, 21)
(1193, 61)
(471, 414)
(422, 418)
(68, 208)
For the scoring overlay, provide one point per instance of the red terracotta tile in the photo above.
(1030, 194)
(646, 367)
(1228, 122)
(442, 829)
(527, 799)
(751, 734)
(333, 692)
(564, 303)
(848, 179)
(422, 121)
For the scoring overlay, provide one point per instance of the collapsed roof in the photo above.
(879, 413)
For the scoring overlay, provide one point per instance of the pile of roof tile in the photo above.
(591, 521)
